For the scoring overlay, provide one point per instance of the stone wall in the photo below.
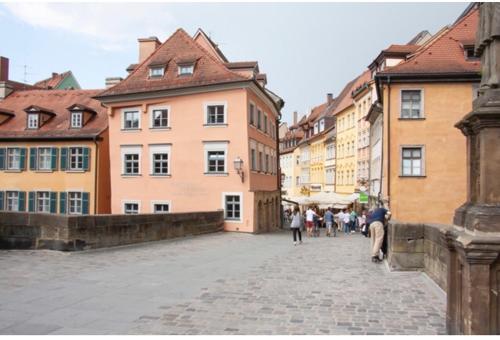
(419, 247)
(21, 230)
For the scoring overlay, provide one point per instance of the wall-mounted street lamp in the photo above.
(238, 166)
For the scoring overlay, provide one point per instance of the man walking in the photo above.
(310, 221)
(377, 220)
(329, 223)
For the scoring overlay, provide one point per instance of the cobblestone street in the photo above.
(226, 283)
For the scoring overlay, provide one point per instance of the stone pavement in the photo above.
(225, 283)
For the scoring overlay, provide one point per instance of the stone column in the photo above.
(474, 269)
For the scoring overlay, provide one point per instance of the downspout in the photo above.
(388, 139)
(95, 173)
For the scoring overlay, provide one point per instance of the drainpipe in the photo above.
(95, 173)
(388, 139)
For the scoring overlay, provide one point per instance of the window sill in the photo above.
(43, 171)
(420, 118)
(168, 128)
(160, 176)
(75, 171)
(412, 176)
(131, 130)
(13, 170)
(233, 220)
(215, 125)
(130, 176)
(217, 174)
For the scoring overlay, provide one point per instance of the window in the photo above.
(159, 118)
(267, 163)
(33, 120)
(215, 114)
(131, 160)
(265, 123)
(254, 160)
(13, 159)
(13, 201)
(76, 119)
(131, 120)
(259, 119)
(232, 204)
(411, 107)
(412, 161)
(45, 159)
(321, 125)
(159, 155)
(185, 70)
(261, 167)
(297, 180)
(43, 201)
(215, 157)
(156, 71)
(75, 158)
(251, 113)
(161, 207)
(75, 203)
(130, 208)
(316, 128)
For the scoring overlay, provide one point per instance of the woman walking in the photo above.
(296, 225)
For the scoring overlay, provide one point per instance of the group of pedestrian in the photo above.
(371, 224)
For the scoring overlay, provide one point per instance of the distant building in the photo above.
(59, 81)
(191, 131)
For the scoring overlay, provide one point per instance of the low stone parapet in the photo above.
(22, 230)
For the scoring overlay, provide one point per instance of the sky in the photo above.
(306, 49)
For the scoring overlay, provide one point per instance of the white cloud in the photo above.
(110, 26)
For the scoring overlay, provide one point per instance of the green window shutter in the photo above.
(62, 202)
(54, 159)
(22, 201)
(2, 194)
(22, 158)
(31, 201)
(85, 203)
(86, 153)
(33, 157)
(64, 158)
(2, 158)
(53, 202)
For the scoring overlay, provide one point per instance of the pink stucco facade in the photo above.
(188, 186)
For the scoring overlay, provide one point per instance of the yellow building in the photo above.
(424, 155)
(54, 152)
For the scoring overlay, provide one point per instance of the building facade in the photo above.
(195, 133)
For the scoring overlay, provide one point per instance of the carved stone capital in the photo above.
(486, 114)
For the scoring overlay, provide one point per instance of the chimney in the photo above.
(54, 74)
(295, 115)
(329, 98)
(112, 81)
(4, 69)
(147, 46)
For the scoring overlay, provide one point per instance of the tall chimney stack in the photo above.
(329, 98)
(4, 69)
(147, 46)
(295, 116)
(112, 81)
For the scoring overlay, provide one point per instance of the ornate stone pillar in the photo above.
(473, 268)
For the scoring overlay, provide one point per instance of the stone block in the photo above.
(409, 245)
(406, 261)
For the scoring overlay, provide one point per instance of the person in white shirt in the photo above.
(310, 221)
(346, 219)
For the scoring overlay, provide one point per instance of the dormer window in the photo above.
(469, 52)
(33, 120)
(76, 119)
(186, 70)
(156, 71)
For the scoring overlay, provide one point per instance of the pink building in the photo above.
(190, 131)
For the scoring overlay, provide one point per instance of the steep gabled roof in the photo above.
(55, 80)
(57, 102)
(200, 34)
(445, 54)
(180, 46)
(345, 99)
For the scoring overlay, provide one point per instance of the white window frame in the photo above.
(7, 199)
(18, 157)
(70, 155)
(422, 102)
(215, 146)
(39, 160)
(159, 149)
(205, 112)
(128, 150)
(131, 202)
(153, 69)
(182, 68)
(155, 202)
(240, 194)
(33, 118)
(76, 119)
(152, 119)
(252, 114)
(68, 202)
(37, 205)
(131, 109)
(422, 159)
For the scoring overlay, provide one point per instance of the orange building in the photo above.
(190, 131)
(424, 155)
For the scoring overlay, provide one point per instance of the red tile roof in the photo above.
(345, 99)
(445, 54)
(207, 71)
(52, 82)
(401, 49)
(58, 102)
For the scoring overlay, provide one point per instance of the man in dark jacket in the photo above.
(377, 220)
